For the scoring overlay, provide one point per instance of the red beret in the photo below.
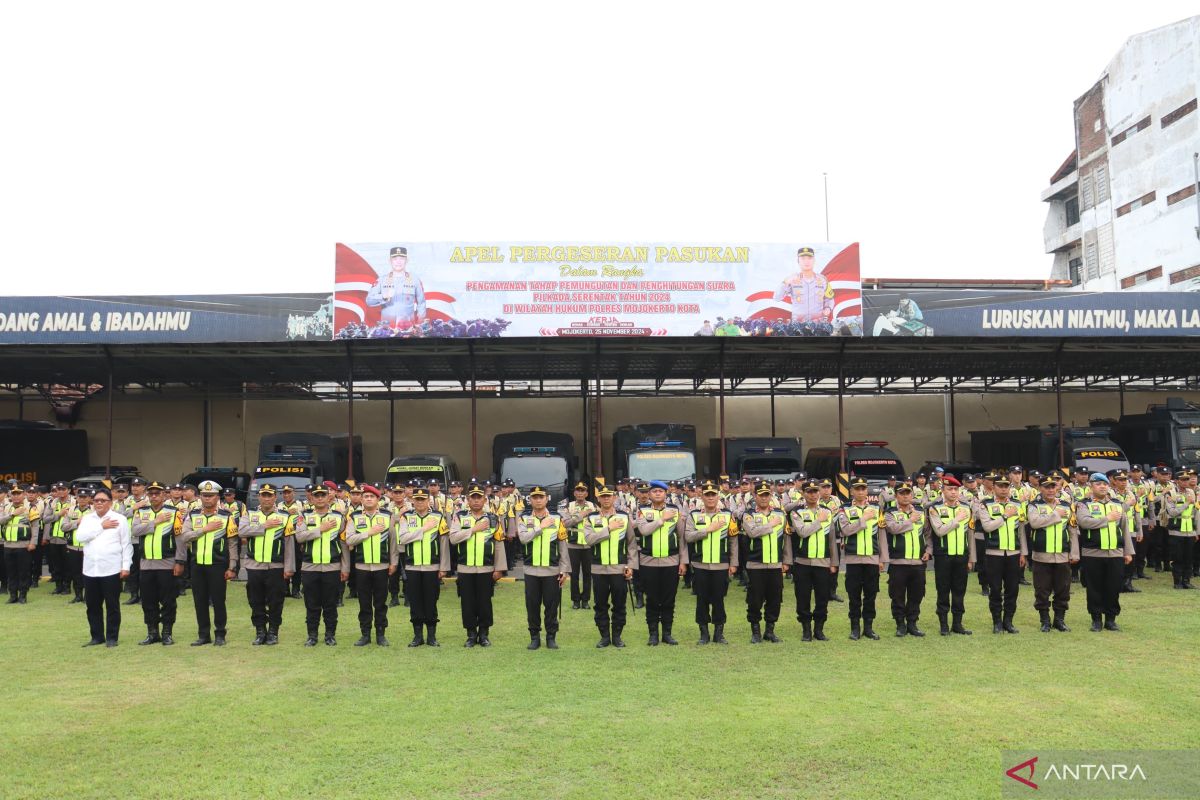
(369, 489)
(330, 485)
(950, 480)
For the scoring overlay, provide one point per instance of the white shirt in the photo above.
(106, 551)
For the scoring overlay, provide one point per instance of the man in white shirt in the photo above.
(107, 555)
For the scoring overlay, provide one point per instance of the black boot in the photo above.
(1060, 623)
(667, 638)
(575, 604)
(769, 634)
(380, 639)
(819, 631)
(470, 642)
(551, 644)
(957, 626)
(997, 627)
(431, 635)
(943, 626)
(152, 636)
(1097, 626)
(202, 640)
(167, 638)
(653, 640)
(703, 635)
(1128, 586)
(133, 600)
(261, 638)
(535, 641)
(77, 599)
(869, 630)
(755, 633)
(913, 630)
(901, 628)
(272, 636)
(639, 600)
(482, 640)
(330, 639)
(12, 599)
(837, 598)
(1023, 581)
(854, 632)
(605, 640)
(1007, 624)
(985, 590)
(617, 641)
(363, 640)
(806, 628)
(418, 636)
(1045, 616)
(719, 635)
(219, 639)
(311, 641)
(1110, 624)
(395, 601)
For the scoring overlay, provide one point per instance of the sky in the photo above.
(163, 148)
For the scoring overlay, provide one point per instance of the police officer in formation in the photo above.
(766, 541)
(547, 565)
(477, 535)
(208, 540)
(153, 530)
(324, 563)
(608, 531)
(267, 534)
(710, 533)
(660, 560)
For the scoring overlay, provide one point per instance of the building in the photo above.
(1123, 211)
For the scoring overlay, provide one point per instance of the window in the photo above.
(1141, 277)
(1075, 268)
(1071, 207)
(1182, 194)
(1185, 274)
(1085, 192)
(1134, 205)
(1091, 262)
(1179, 113)
(1101, 183)
(1140, 125)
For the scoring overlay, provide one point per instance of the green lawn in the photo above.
(840, 719)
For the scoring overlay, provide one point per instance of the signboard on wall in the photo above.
(457, 289)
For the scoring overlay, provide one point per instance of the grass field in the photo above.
(893, 718)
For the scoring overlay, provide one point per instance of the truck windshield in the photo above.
(774, 467)
(1102, 460)
(422, 472)
(659, 465)
(535, 470)
(875, 467)
(297, 482)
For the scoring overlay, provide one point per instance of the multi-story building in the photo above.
(1124, 210)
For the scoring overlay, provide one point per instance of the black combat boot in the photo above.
(261, 637)
(482, 640)
(535, 641)
(272, 636)
(1045, 617)
(1097, 626)
(913, 630)
(605, 640)
(364, 640)
(380, 639)
(704, 639)
(551, 643)
(667, 638)
(719, 635)
(997, 627)
(152, 636)
(470, 642)
(431, 635)
(755, 633)
(901, 628)
(1060, 623)
(418, 636)
(617, 641)
(167, 638)
(769, 634)
(957, 626)
(1110, 623)
(869, 630)
(854, 631)
(653, 640)
(1007, 624)
(819, 631)
(806, 635)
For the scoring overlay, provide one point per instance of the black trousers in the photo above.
(906, 588)
(1052, 579)
(1104, 577)
(764, 597)
(132, 583)
(103, 599)
(296, 576)
(810, 582)
(73, 564)
(16, 569)
(862, 585)
(208, 585)
(321, 592)
(1182, 549)
(265, 590)
(606, 589)
(1158, 544)
(950, 579)
(35, 565)
(981, 563)
(542, 593)
(475, 591)
(395, 578)
(56, 559)
(160, 597)
(1004, 576)
(421, 589)
(371, 586)
(581, 573)
(660, 585)
(711, 586)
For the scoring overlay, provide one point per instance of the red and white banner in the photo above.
(452, 289)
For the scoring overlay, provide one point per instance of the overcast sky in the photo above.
(162, 148)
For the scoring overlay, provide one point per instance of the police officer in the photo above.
(123, 505)
(53, 513)
(1001, 521)
(1179, 511)
(398, 505)
(209, 535)
(288, 503)
(833, 504)
(401, 295)
(608, 532)
(423, 534)
(814, 553)
(267, 553)
(153, 532)
(573, 513)
(1106, 546)
(1054, 546)
(953, 555)
(765, 530)
(810, 293)
(864, 546)
(73, 558)
(660, 560)
(709, 533)
(375, 551)
(324, 564)
(16, 522)
(908, 550)
(547, 565)
(478, 536)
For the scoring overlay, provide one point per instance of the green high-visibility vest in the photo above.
(479, 550)
(613, 550)
(327, 547)
(910, 544)
(812, 546)
(1109, 535)
(580, 534)
(268, 548)
(160, 542)
(1052, 538)
(663, 542)
(542, 550)
(17, 528)
(425, 551)
(863, 542)
(1004, 537)
(1185, 522)
(210, 546)
(56, 530)
(376, 548)
(714, 547)
(955, 542)
(765, 549)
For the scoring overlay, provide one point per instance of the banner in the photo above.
(194, 318)
(972, 312)
(452, 289)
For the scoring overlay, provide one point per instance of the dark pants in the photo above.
(265, 590)
(1182, 548)
(73, 563)
(604, 589)
(542, 593)
(103, 598)
(808, 582)
(1004, 576)
(1104, 577)
(711, 586)
(1158, 545)
(321, 592)
(16, 569)
(581, 573)
(132, 583)
(906, 588)
(766, 590)
(950, 578)
(660, 585)
(56, 559)
(981, 563)
(421, 589)
(208, 584)
(395, 578)
(160, 597)
(35, 565)
(1052, 579)
(862, 584)
(296, 576)
(475, 591)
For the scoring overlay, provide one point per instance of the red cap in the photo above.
(330, 485)
(369, 489)
(950, 480)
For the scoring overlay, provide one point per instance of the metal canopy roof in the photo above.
(634, 366)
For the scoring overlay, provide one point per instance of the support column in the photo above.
(350, 412)
(721, 403)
